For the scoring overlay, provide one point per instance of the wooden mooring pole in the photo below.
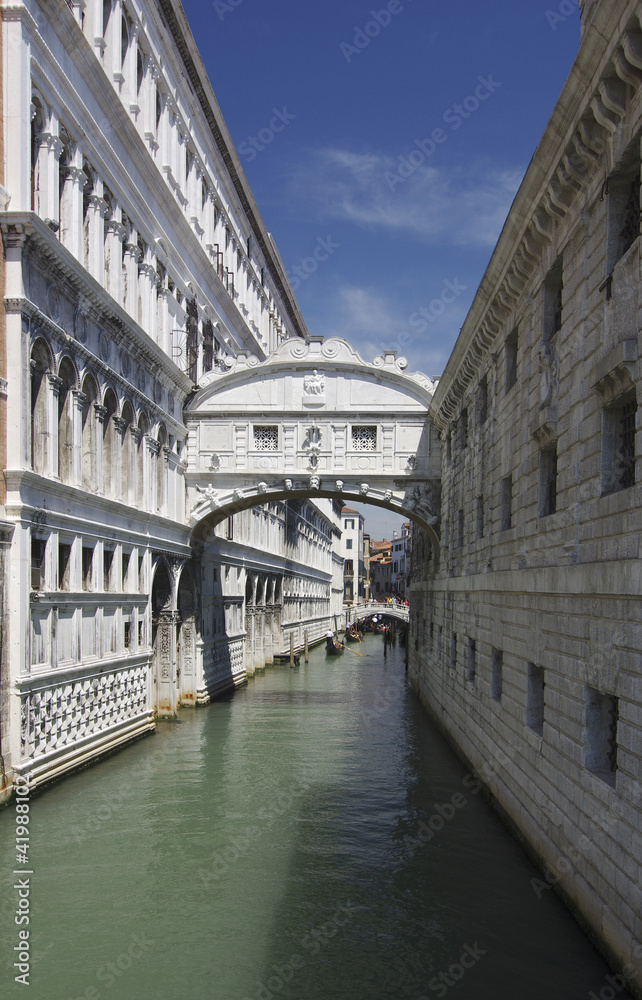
(305, 645)
(291, 649)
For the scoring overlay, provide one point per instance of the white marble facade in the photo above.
(136, 263)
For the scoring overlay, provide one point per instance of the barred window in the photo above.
(618, 445)
(266, 438)
(553, 301)
(208, 346)
(364, 438)
(631, 222)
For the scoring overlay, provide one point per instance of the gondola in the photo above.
(334, 648)
(352, 636)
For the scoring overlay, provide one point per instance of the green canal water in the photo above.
(310, 838)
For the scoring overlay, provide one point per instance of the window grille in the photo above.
(631, 228)
(463, 429)
(266, 438)
(364, 438)
(208, 346)
(38, 548)
(557, 311)
(511, 360)
(548, 481)
(192, 339)
(483, 400)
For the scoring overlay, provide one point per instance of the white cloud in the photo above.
(461, 205)
(373, 322)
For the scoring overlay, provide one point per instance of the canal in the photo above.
(310, 838)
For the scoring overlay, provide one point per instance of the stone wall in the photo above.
(527, 624)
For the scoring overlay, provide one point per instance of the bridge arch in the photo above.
(313, 420)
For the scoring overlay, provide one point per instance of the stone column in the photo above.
(18, 26)
(119, 425)
(147, 293)
(132, 258)
(101, 413)
(132, 97)
(99, 38)
(71, 207)
(45, 182)
(114, 236)
(113, 52)
(133, 472)
(153, 449)
(79, 398)
(148, 99)
(163, 319)
(95, 235)
(166, 138)
(54, 384)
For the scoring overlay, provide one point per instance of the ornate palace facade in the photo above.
(136, 263)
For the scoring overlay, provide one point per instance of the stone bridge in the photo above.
(369, 608)
(313, 419)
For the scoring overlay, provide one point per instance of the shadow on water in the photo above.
(404, 883)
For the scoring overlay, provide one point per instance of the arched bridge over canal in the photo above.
(313, 419)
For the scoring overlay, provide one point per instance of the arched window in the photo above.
(161, 471)
(40, 431)
(127, 455)
(140, 70)
(110, 445)
(143, 431)
(88, 440)
(106, 15)
(124, 41)
(67, 375)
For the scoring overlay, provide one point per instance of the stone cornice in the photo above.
(116, 519)
(567, 161)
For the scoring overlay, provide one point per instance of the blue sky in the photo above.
(395, 141)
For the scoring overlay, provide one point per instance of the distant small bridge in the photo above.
(369, 608)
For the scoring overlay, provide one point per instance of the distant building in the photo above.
(352, 549)
(401, 545)
(380, 568)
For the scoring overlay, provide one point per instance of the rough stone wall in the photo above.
(527, 633)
